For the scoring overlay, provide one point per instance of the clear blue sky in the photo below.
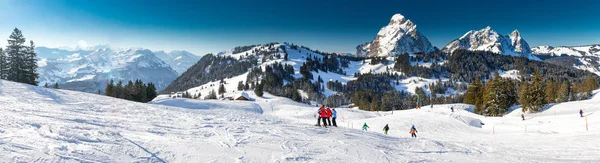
(205, 26)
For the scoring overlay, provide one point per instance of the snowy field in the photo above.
(46, 125)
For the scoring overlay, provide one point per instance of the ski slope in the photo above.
(47, 125)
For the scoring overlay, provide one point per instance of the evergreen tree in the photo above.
(110, 88)
(474, 94)
(525, 96)
(551, 92)
(240, 86)
(490, 96)
(259, 89)
(222, 89)
(246, 86)
(3, 65)
(211, 95)
(16, 56)
(30, 65)
(537, 92)
(119, 90)
(128, 93)
(151, 91)
(590, 84)
(55, 85)
(563, 92)
(296, 96)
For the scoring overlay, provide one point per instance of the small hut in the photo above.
(243, 96)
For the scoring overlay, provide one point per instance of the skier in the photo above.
(413, 131)
(322, 113)
(328, 116)
(386, 129)
(581, 112)
(523, 116)
(365, 127)
(452, 108)
(333, 116)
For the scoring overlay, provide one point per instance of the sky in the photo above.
(210, 26)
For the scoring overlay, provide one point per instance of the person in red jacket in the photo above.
(328, 116)
(323, 115)
(320, 113)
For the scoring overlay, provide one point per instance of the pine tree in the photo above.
(538, 92)
(525, 96)
(589, 85)
(16, 56)
(246, 86)
(259, 90)
(222, 89)
(119, 90)
(211, 95)
(563, 93)
(240, 86)
(30, 65)
(473, 96)
(109, 91)
(551, 92)
(490, 96)
(55, 85)
(296, 96)
(3, 64)
(151, 91)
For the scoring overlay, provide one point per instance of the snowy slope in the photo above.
(459, 136)
(489, 40)
(400, 36)
(89, 70)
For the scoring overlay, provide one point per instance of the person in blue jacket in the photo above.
(365, 127)
(333, 116)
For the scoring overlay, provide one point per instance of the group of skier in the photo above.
(327, 115)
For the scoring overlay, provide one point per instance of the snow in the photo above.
(50, 125)
(84, 78)
(511, 74)
(489, 40)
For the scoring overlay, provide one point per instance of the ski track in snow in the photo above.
(46, 125)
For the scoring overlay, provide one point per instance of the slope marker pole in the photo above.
(586, 124)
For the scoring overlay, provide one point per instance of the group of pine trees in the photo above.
(18, 61)
(133, 91)
(499, 94)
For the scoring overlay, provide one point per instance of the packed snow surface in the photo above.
(47, 125)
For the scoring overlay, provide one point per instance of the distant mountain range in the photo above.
(88, 70)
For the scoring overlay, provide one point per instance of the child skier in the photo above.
(413, 131)
(581, 112)
(386, 129)
(365, 127)
(523, 116)
(333, 116)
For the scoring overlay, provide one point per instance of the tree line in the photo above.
(133, 91)
(18, 62)
(499, 94)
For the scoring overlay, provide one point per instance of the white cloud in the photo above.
(82, 44)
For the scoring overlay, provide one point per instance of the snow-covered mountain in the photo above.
(179, 60)
(586, 50)
(489, 40)
(400, 36)
(89, 70)
(586, 57)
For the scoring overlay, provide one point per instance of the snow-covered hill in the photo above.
(489, 40)
(296, 57)
(179, 60)
(585, 57)
(89, 70)
(586, 50)
(48, 125)
(400, 36)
